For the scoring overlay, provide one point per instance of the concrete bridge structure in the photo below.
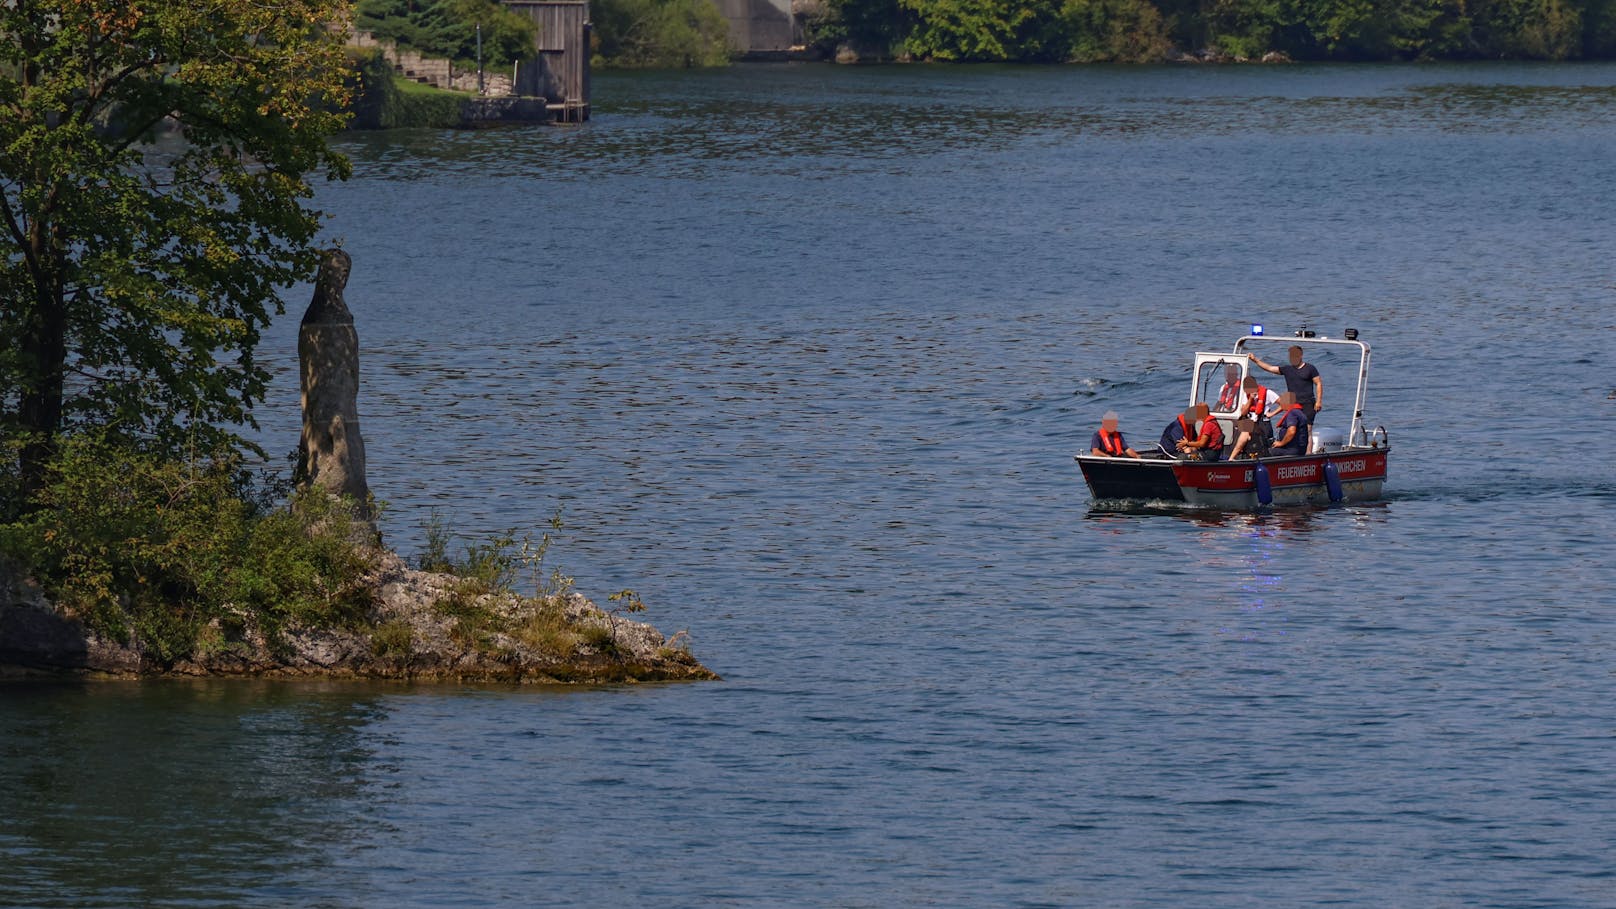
(759, 28)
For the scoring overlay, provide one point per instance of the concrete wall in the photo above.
(758, 26)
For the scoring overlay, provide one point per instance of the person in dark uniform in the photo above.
(1291, 430)
(1108, 440)
(1301, 379)
(1181, 430)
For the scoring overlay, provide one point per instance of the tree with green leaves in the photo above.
(660, 33)
(1151, 30)
(449, 28)
(155, 159)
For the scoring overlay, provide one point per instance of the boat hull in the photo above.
(1297, 480)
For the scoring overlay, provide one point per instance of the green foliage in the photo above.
(659, 33)
(1530, 29)
(154, 163)
(448, 28)
(434, 555)
(876, 26)
(966, 29)
(150, 550)
(1149, 30)
(384, 100)
(498, 563)
(1244, 28)
(1599, 29)
(547, 630)
(496, 566)
(1112, 31)
(395, 639)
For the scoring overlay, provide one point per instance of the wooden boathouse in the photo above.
(558, 71)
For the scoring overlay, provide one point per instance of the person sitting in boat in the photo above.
(1229, 394)
(1108, 440)
(1291, 432)
(1259, 402)
(1301, 379)
(1177, 432)
(1208, 443)
(1254, 428)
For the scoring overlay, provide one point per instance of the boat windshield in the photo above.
(1217, 384)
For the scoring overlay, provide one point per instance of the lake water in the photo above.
(802, 354)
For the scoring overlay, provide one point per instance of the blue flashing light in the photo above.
(1256, 329)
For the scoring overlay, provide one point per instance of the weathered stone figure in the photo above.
(331, 454)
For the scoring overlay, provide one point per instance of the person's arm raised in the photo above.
(1261, 365)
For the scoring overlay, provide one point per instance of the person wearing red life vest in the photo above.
(1178, 432)
(1291, 431)
(1257, 405)
(1229, 394)
(1108, 441)
(1257, 401)
(1208, 443)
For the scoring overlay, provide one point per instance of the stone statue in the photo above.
(331, 454)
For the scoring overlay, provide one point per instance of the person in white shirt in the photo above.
(1257, 404)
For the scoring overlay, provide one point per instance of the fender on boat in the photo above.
(1265, 490)
(1332, 480)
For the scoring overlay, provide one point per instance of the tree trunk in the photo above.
(44, 350)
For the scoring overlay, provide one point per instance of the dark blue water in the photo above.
(802, 354)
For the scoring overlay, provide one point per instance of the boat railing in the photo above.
(1372, 438)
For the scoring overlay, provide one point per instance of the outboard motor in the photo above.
(1327, 440)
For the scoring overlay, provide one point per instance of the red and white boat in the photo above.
(1337, 467)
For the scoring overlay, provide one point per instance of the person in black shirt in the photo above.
(1301, 379)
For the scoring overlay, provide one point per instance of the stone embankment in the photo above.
(421, 625)
(437, 72)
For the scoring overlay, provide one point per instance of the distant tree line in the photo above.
(448, 28)
(1142, 31)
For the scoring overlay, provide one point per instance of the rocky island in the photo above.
(421, 625)
(165, 612)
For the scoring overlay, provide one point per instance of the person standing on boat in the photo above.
(1108, 441)
(1208, 444)
(1291, 432)
(1301, 379)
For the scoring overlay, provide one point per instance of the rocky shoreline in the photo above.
(423, 626)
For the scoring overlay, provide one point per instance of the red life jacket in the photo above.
(1300, 429)
(1254, 402)
(1188, 427)
(1229, 397)
(1111, 442)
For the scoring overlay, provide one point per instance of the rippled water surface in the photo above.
(802, 354)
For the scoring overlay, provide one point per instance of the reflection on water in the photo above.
(119, 794)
